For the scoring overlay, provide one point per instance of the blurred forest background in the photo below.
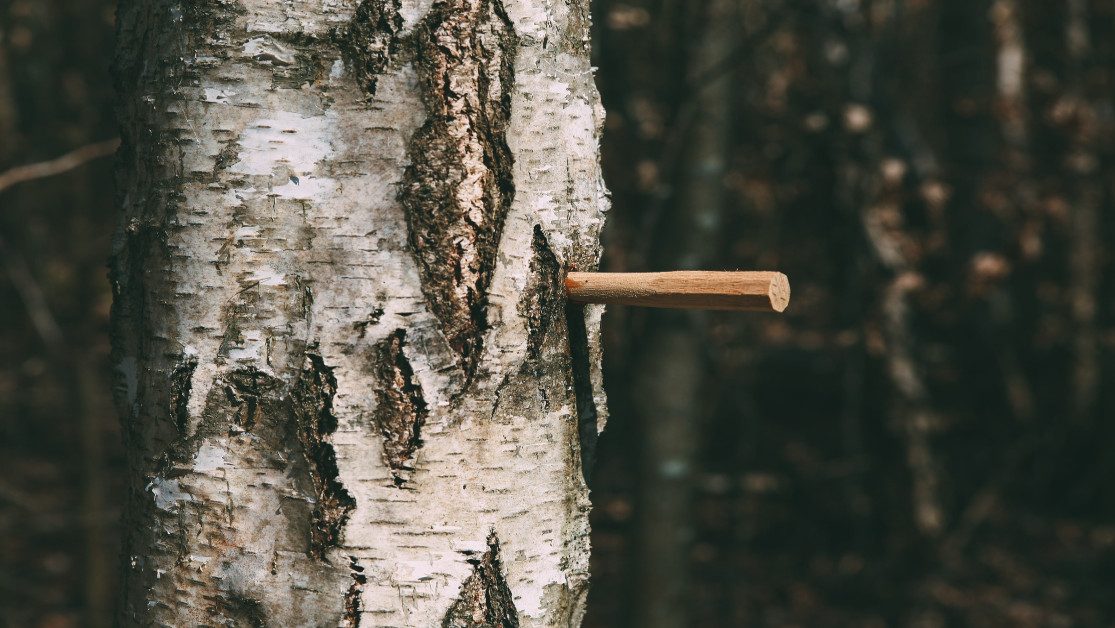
(923, 439)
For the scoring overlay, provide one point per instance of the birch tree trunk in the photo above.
(351, 390)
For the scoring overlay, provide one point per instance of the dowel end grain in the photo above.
(779, 292)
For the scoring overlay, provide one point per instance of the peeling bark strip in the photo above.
(485, 600)
(312, 402)
(400, 408)
(458, 188)
(371, 40)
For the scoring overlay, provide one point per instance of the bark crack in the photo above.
(181, 382)
(353, 606)
(581, 364)
(485, 600)
(400, 407)
(312, 401)
(458, 188)
(542, 295)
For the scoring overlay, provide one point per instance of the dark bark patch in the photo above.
(227, 156)
(459, 185)
(307, 69)
(249, 400)
(208, 22)
(306, 301)
(577, 33)
(236, 610)
(137, 250)
(247, 392)
(351, 618)
(243, 400)
(581, 361)
(371, 40)
(312, 405)
(485, 600)
(400, 407)
(181, 381)
(542, 295)
(361, 327)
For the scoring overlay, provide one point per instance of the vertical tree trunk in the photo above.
(669, 379)
(870, 183)
(1079, 111)
(350, 387)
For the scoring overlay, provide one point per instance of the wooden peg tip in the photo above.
(750, 291)
(779, 292)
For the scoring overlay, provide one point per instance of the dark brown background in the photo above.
(921, 440)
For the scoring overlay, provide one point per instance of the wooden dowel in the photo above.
(751, 291)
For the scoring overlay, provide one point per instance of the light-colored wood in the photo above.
(745, 291)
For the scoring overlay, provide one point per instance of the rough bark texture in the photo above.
(344, 224)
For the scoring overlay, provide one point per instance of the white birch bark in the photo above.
(351, 389)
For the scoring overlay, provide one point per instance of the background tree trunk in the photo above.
(350, 385)
(670, 379)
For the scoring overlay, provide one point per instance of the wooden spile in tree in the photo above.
(744, 291)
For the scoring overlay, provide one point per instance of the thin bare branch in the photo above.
(58, 165)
